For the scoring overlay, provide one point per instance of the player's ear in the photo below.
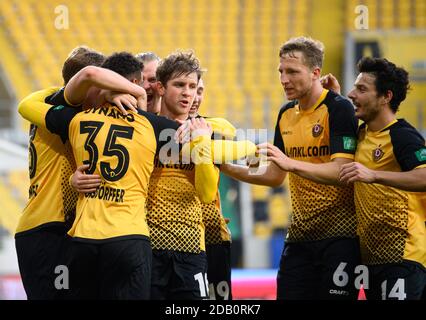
(160, 88)
(316, 72)
(387, 97)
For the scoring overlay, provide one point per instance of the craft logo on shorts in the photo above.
(317, 130)
(377, 154)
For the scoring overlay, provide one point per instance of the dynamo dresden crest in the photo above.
(377, 154)
(317, 130)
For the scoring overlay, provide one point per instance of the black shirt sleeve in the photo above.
(278, 138)
(58, 119)
(58, 98)
(343, 125)
(164, 130)
(408, 146)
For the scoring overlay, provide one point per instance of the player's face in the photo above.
(364, 97)
(150, 80)
(296, 78)
(179, 94)
(193, 111)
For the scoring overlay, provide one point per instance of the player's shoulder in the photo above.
(287, 107)
(158, 121)
(402, 132)
(335, 101)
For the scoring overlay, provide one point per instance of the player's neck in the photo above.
(382, 120)
(311, 98)
(170, 115)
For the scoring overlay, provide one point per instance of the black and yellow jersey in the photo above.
(174, 211)
(50, 164)
(217, 230)
(121, 149)
(391, 222)
(324, 132)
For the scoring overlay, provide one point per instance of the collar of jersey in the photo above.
(370, 132)
(316, 104)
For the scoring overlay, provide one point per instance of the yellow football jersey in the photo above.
(324, 132)
(50, 164)
(175, 213)
(217, 230)
(121, 149)
(391, 222)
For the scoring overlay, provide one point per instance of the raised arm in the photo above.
(34, 108)
(77, 88)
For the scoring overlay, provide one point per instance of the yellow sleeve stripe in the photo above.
(420, 166)
(342, 155)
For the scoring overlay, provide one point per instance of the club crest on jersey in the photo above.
(317, 130)
(377, 154)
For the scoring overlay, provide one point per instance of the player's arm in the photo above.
(343, 130)
(206, 174)
(77, 88)
(222, 127)
(34, 108)
(409, 151)
(222, 151)
(268, 175)
(325, 173)
(413, 180)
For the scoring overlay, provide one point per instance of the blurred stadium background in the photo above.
(238, 42)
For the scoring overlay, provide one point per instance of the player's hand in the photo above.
(85, 183)
(156, 100)
(192, 128)
(142, 101)
(183, 133)
(121, 100)
(330, 82)
(354, 171)
(200, 127)
(275, 155)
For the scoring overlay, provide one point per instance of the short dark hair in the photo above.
(79, 58)
(313, 50)
(125, 64)
(177, 64)
(389, 77)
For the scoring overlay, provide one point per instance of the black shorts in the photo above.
(110, 270)
(322, 269)
(396, 281)
(219, 270)
(178, 275)
(40, 251)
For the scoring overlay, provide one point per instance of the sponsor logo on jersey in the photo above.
(311, 151)
(317, 130)
(349, 143)
(421, 154)
(377, 154)
(60, 107)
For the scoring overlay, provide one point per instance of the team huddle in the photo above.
(124, 182)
